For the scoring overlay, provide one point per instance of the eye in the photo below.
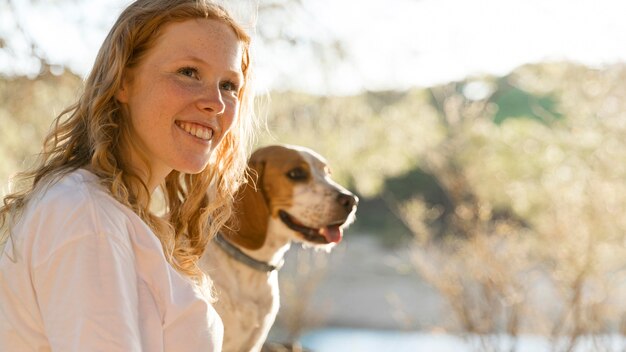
(230, 86)
(298, 174)
(188, 71)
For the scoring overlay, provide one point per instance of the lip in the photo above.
(310, 234)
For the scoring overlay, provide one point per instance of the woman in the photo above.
(86, 264)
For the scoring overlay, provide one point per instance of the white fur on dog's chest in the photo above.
(248, 300)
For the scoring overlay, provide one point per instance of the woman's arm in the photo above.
(87, 295)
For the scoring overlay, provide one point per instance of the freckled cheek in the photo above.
(180, 93)
(173, 94)
(230, 119)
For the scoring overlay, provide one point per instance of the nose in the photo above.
(347, 200)
(211, 101)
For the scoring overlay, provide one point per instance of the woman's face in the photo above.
(182, 98)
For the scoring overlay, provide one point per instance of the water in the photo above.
(331, 340)
(362, 340)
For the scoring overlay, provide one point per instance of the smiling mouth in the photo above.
(331, 233)
(196, 130)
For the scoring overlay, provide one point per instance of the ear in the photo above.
(247, 227)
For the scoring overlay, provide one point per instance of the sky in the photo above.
(390, 44)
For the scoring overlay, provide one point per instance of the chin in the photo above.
(193, 168)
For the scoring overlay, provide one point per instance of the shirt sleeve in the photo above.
(87, 295)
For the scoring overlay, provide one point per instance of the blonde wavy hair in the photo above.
(92, 134)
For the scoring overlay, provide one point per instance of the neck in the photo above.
(152, 173)
(271, 253)
(237, 254)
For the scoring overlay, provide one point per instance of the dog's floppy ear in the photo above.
(248, 225)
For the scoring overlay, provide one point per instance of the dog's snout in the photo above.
(347, 201)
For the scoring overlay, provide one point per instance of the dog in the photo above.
(289, 197)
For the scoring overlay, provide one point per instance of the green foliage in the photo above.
(514, 102)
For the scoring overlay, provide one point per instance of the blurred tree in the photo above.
(559, 271)
(514, 102)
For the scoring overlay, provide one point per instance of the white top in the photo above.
(84, 273)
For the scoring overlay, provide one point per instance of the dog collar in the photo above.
(242, 257)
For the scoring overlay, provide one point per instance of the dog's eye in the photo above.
(297, 174)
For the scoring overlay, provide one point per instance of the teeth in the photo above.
(196, 130)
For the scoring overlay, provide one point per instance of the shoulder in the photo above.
(77, 199)
(67, 209)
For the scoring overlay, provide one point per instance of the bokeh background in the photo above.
(486, 140)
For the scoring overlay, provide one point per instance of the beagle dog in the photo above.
(289, 197)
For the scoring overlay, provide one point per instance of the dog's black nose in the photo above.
(347, 201)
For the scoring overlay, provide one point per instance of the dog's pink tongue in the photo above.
(332, 234)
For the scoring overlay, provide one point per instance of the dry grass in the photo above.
(27, 108)
(534, 240)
